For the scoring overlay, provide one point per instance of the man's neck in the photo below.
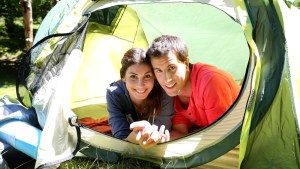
(185, 93)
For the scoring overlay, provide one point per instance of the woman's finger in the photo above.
(139, 125)
(162, 129)
(167, 133)
(163, 138)
(139, 135)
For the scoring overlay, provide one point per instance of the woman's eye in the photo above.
(133, 77)
(148, 76)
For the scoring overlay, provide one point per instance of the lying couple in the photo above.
(160, 91)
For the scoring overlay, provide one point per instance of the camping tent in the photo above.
(77, 52)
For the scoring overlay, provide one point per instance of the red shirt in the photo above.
(213, 92)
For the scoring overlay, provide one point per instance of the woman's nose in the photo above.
(140, 82)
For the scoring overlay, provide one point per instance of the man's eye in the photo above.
(171, 68)
(158, 71)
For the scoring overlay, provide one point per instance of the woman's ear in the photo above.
(123, 79)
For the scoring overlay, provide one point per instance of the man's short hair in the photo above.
(166, 43)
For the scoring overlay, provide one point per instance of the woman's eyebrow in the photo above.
(132, 73)
(148, 72)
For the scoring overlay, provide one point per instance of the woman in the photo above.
(138, 97)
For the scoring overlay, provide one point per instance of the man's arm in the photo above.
(178, 130)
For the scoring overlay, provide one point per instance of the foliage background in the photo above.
(12, 39)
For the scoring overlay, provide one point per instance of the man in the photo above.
(202, 93)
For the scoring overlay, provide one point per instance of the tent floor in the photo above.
(228, 161)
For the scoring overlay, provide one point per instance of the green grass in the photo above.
(8, 78)
(85, 163)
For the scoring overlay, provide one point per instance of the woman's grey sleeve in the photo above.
(167, 112)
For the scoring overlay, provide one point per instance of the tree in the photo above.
(54, 2)
(11, 32)
(28, 22)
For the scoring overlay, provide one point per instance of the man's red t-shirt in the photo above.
(213, 92)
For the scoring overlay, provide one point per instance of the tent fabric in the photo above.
(103, 51)
(292, 38)
(58, 140)
(274, 124)
(253, 41)
(222, 28)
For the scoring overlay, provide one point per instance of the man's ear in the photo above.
(123, 79)
(187, 62)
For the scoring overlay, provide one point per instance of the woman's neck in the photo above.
(139, 104)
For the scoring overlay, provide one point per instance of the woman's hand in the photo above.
(147, 135)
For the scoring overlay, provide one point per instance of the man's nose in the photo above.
(168, 77)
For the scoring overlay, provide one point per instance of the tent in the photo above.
(77, 52)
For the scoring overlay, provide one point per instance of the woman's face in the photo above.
(139, 80)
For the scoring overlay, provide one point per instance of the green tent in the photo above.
(77, 52)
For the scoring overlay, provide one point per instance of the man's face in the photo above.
(170, 72)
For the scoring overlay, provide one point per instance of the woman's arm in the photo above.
(117, 116)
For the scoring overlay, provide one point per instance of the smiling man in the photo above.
(202, 93)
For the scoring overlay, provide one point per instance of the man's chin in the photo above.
(171, 93)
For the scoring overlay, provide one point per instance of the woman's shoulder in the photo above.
(116, 87)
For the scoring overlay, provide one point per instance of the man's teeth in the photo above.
(170, 85)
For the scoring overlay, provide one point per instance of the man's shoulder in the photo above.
(202, 67)
(201, 70)
(206, 70)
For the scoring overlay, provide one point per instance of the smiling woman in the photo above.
(138, 97)
(70, 76)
